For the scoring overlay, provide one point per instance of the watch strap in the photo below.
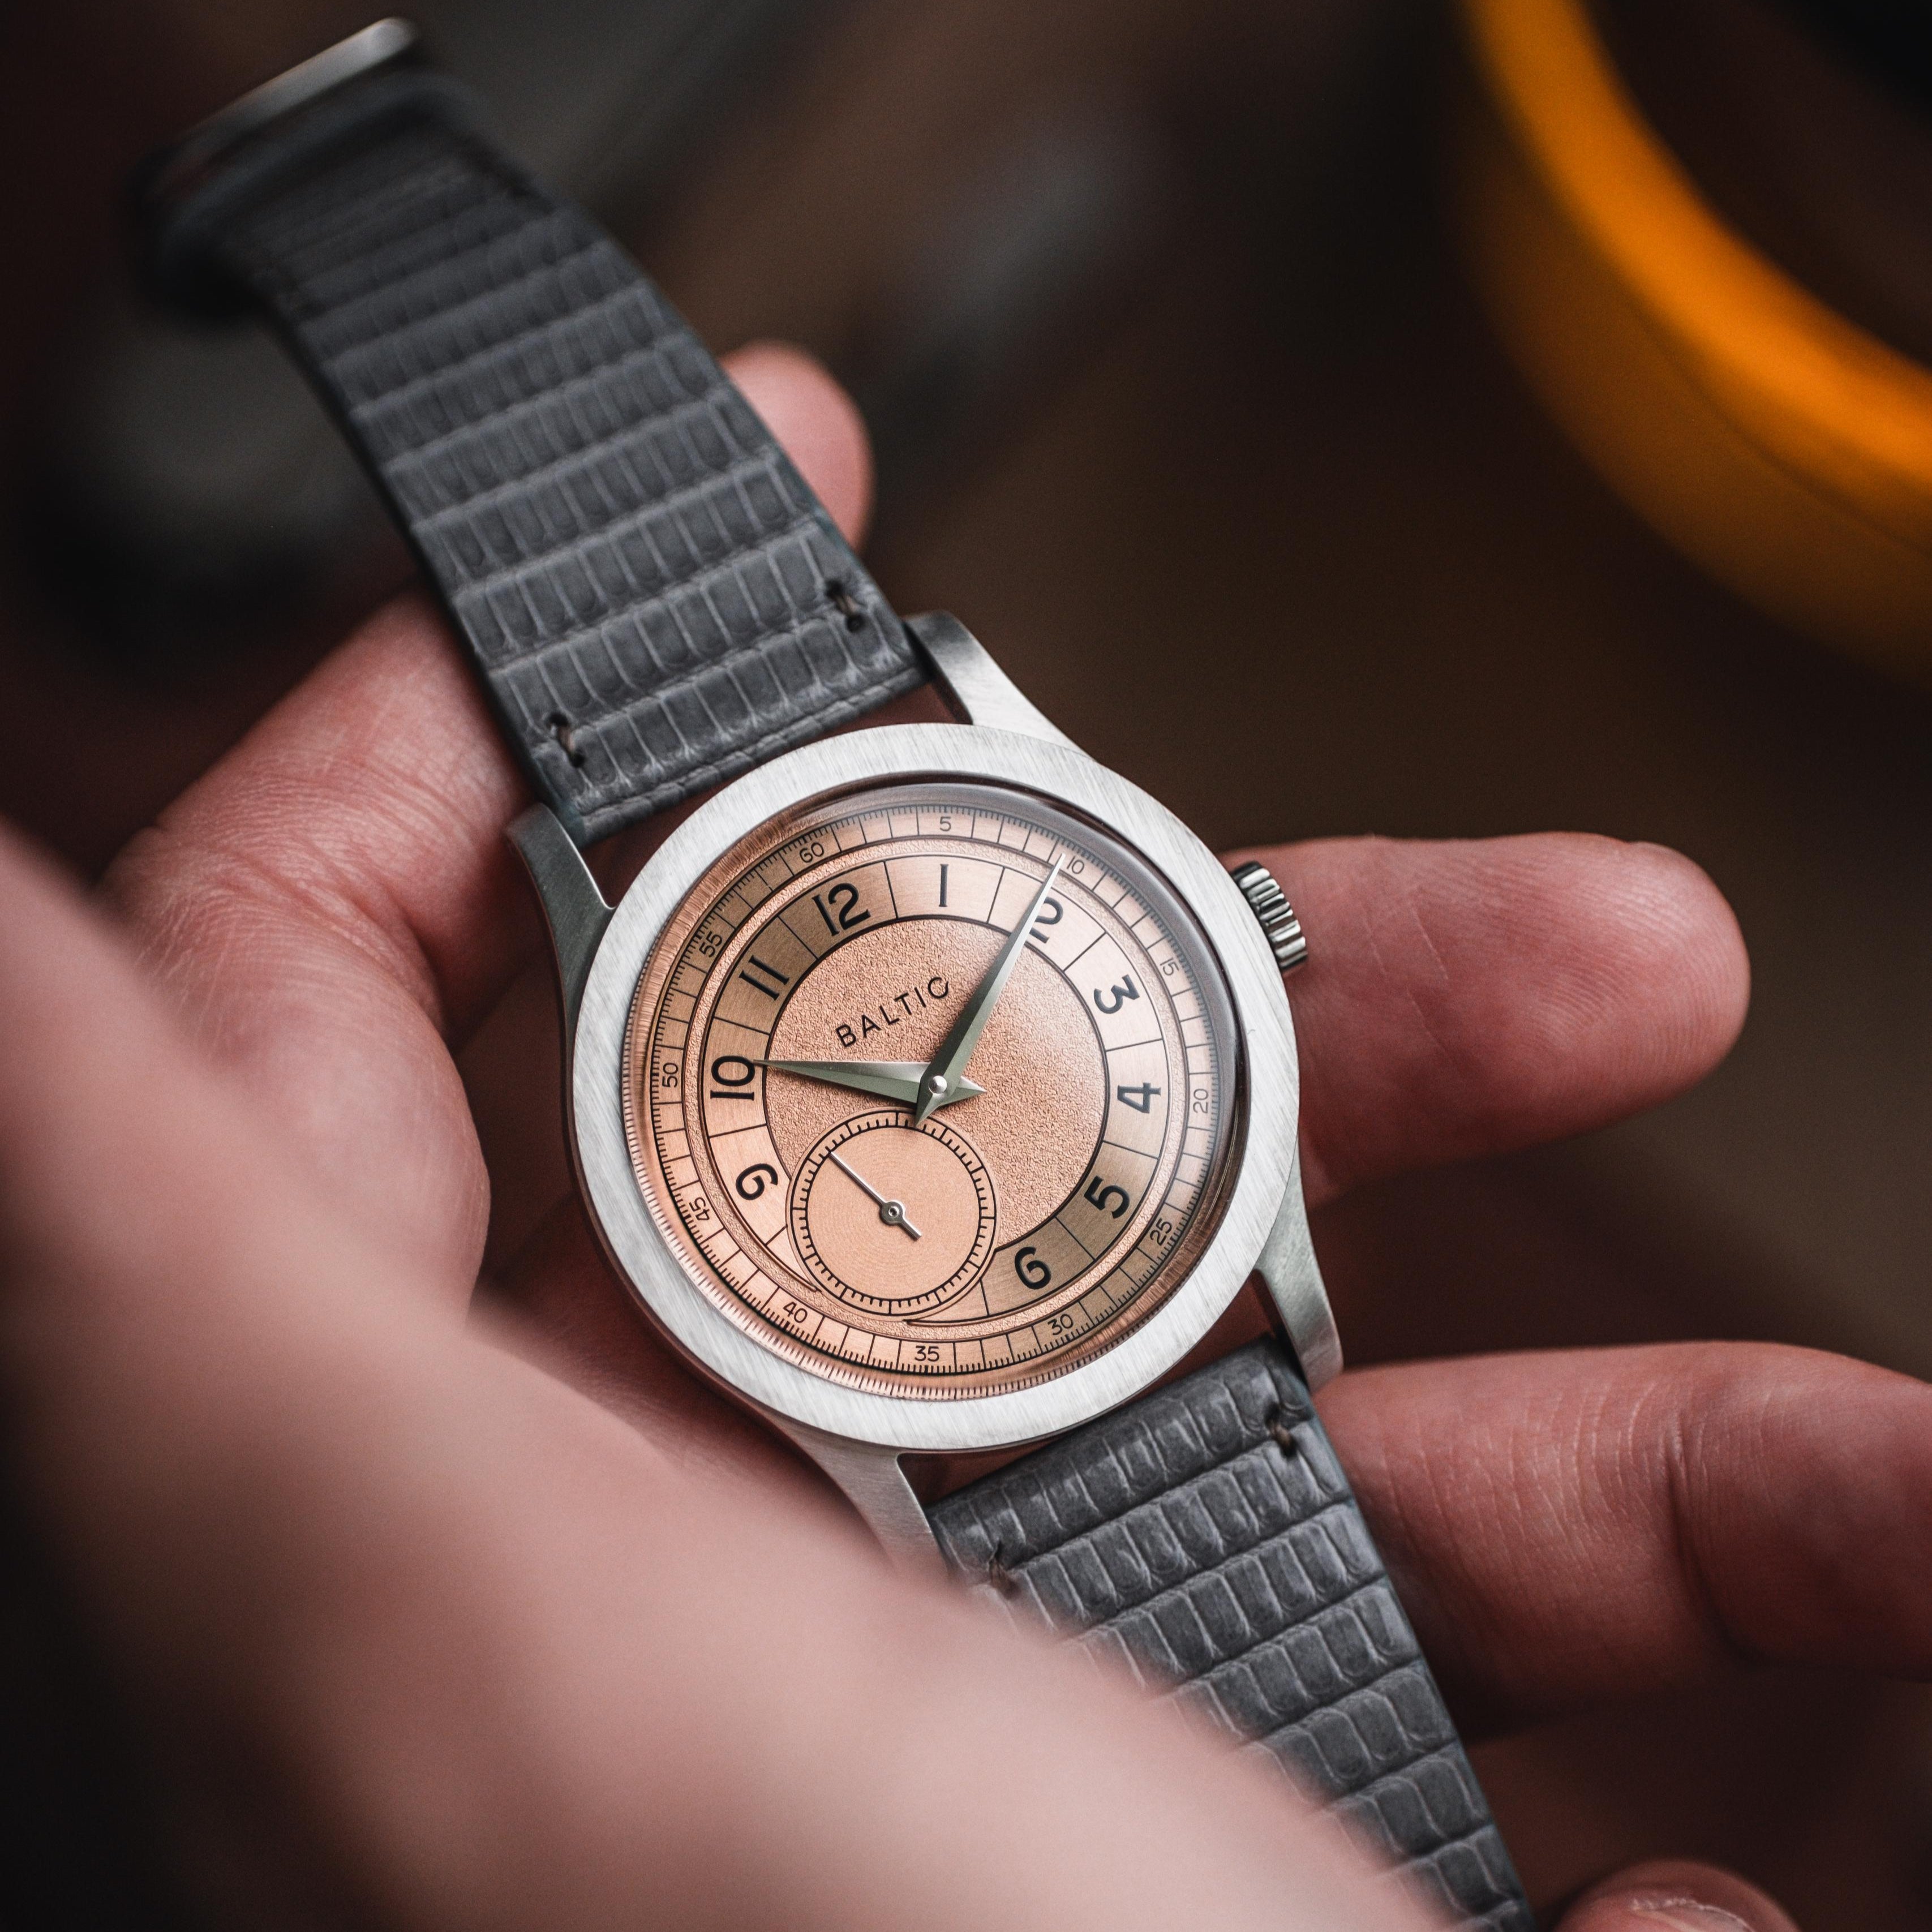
(655, 600)
(1204, 1538)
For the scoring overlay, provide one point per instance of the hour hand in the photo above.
(892, 1079)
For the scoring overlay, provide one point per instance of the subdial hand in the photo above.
(942, 1082)
(892, 1079)
(892, 1212)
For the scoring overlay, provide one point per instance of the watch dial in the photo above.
(1056, 1185)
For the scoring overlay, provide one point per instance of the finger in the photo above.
(468, 1651)
(1675, 1896)
(1466, 998)
(1572, 1528)
(336, 896)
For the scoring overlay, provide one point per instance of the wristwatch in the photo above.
(933, 1089)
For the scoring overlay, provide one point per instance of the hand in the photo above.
(892, 1079)
(892, 1212)
(944, 1072)
(512, 1621)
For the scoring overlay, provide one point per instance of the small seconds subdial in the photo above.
(892, 1219)
(933, 1088)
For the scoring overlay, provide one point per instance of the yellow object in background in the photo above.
(1786, 450)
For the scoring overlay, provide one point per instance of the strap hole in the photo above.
(565, 732)
(1002, 1579)
(847, 606)
(1283, 1436)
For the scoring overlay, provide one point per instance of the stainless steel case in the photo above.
(858, 1436)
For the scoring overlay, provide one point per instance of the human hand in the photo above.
(515, 1621)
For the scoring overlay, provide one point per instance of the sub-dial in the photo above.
(892, 1219)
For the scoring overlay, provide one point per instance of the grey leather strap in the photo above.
(655, 600)
(1205, 1537)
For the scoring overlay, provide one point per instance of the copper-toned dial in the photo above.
(933, 1088)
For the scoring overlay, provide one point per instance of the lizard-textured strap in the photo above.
(655, 599)
(1205, 1537)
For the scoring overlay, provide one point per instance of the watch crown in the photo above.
(1269, 904)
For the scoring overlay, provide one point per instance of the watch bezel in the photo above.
(655, 1273)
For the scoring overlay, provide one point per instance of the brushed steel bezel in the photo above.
(654, 1272)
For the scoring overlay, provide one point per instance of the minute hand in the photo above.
(939, 1087)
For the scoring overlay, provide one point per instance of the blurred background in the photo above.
(1509, 415)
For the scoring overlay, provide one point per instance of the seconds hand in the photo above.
(939, 1087)
(892, 1212)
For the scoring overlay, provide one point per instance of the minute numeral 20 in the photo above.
(1141, 1098)
(844, 897)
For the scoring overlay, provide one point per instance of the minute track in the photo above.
(846, 903)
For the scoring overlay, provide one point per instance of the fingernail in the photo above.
(1676, 1897)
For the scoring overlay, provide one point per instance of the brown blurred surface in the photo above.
(1284, 452)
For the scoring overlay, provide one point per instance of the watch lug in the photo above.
(573, 908)
(873, 1480)
(975, 688)
(1293, 1277)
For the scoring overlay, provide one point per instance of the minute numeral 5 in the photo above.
(1115, 998)
(1141, 1098)
(1096, 1195)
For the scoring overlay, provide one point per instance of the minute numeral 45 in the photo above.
(1141, 1098)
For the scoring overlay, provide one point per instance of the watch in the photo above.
(933, 1089)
